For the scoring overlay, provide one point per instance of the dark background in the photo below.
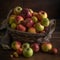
(50, 6)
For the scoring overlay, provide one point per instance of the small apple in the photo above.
(35, 19)
(20, 27)
(35, 47)
(54, 50)
(42, 14)
(15, 54)
(31, 30)
(11, 19)
(13, 25)
(25, 45)
(39, 27)
(17, 10)
(19, 19)
(45, 22)
(31, 11)
(29, 22)
(16, 45)
(46, 47)
(19, 51)
(28, 52)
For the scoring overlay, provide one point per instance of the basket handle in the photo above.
(52, 26)
(9, 14)
(52, 29)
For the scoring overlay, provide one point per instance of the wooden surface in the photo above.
(55, 40)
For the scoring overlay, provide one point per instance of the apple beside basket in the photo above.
(29, 37)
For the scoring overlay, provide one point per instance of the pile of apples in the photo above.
(29, 49)
(27, 20)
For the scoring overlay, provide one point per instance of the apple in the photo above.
(28, 52)
(19, 51)
(31, 11)
(39, 27)
(54, 50)
(15, 54)
(35, 14)
(35, 19)
(45, 22)
(17, 10)
(26, 13)
(11, 19)
(42, 14)
(25, 45)
(16, 45)
(35, 47)
(29, 22)
(20, 27)
(31, 30)
(13, 25)
(46, 47)
(19, 19)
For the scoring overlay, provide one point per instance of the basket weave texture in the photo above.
(29, 37)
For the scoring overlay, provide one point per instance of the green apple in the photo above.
(45, 22)
(39, 27)
(17, 10)
(11, 19)
(46, 47)
(28, 52)
(35, 19)
(25, 45)
(13, 25)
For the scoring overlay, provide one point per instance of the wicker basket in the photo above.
(29, 37)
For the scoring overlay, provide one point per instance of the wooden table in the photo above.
(5, 54)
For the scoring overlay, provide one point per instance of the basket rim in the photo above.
(37, 34)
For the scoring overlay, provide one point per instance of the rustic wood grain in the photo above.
(5, 54)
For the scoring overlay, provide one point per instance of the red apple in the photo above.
(35, 47)
(46, 47)
(19, 19)
(26, 13)
(29, 22)
(19, 51)
(16, 45)
(20, 27)
(54, 50)
(31, 30)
